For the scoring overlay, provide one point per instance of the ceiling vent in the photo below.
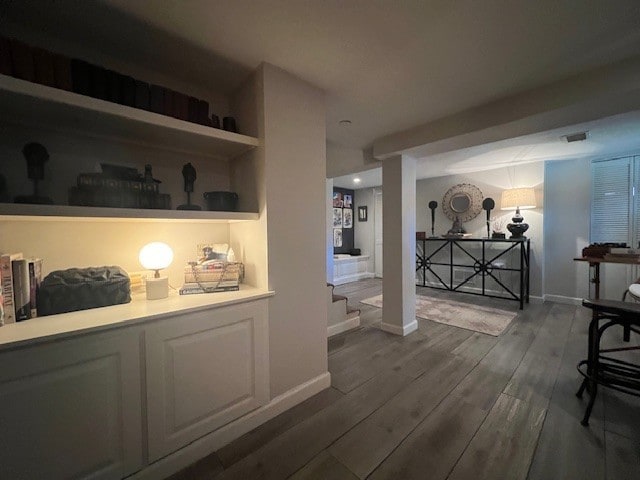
(576, 137)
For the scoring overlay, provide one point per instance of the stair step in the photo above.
(337, 298)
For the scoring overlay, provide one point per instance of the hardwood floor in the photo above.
(446, 403)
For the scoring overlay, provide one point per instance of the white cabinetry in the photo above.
(204, 370)
(72, 409)
(75, 408)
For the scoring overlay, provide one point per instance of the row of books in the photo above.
(19, 284)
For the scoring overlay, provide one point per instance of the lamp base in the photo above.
(157, 288)
(517, 229)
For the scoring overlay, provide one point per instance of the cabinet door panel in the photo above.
(71, 410)
(203, 371)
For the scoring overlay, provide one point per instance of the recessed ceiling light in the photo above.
(576, 137)
(356, 180)
(344, 123)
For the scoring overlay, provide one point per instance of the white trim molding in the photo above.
(398, 330)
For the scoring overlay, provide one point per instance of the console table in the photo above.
(479, 259)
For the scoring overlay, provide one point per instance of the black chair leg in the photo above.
(580, 391)
(592, 400)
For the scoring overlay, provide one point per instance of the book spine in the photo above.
(6, 276)
(21, 289)
(35, 277)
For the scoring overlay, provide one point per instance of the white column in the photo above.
(399, 246)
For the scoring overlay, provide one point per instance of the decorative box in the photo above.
(82, 288)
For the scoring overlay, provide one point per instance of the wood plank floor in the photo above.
(446, 403)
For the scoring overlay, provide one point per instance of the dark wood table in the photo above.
(595, 263)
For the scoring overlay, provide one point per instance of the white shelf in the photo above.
(18, 211)
(139, 310)
(34, 104)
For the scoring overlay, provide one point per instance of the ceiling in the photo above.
(385, 65)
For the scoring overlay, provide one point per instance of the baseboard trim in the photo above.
(215, 440)
(563, 300)
(397, 330)
(347, 324)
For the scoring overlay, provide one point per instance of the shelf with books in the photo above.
(28, 103)
(17, 211)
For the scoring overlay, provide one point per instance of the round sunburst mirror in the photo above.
(463, 201)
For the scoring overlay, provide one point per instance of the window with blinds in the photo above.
(613, 206)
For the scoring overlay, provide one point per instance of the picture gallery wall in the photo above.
(343, 219)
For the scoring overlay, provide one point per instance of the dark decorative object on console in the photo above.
(518, 198)
(488, 204)
(189, 175)
(433, 205)
(36, 156)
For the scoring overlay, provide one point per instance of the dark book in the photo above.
(142, 95)
(169, 108)
(43, 66)
(98, 79)
(80, 77)
(21, 289)
(62, 72)
(128, 91)
(192, 112)
(156, 99)
(35, 278)
(203, 113)
(215, 121)
(22, 59)
(6, 65)
(114, 86)
(181, 105)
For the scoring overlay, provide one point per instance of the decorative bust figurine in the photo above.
(36, 155)
(189, 175)
(456, 228)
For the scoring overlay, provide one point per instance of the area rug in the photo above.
(491, 321)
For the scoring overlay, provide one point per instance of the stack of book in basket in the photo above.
(211, 276)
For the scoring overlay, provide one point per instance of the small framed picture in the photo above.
(347, 218)
(337, 237)
(337, 200)
(337, 218)
(347, 202)
(362, 214)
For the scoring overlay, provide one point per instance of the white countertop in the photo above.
(139, 310)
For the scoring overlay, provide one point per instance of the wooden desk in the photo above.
(595, 263)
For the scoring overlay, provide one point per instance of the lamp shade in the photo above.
(518, 198)
(156, 256)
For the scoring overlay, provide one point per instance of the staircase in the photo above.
(341, 316)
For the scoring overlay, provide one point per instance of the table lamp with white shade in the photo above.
(156, 256)
(518, 198)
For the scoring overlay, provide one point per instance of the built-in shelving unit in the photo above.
(27, 103)
(34, 104)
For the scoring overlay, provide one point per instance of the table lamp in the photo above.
(156, 256)
(518, 198)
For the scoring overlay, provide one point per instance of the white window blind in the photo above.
(611, 201)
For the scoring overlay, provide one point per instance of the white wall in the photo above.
(491, 183)
(294, 143)
(344, 160)
(566, 227)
